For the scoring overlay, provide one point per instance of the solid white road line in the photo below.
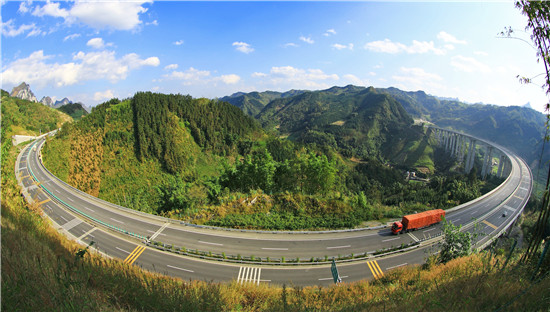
(71, 224)
(387, 240)
(336, 247)
(86, 234)
(413, 237)
(268, 248)
(116, 220)
(209, 243)
(123, 250)
(396, 266)
(330, 278)
(177, 268)
(159, 231)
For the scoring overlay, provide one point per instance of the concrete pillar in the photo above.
(500, 165)
(471, 155)
(487, 162)
(453, 144)
(462, 147)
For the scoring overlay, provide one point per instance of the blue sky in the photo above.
(93, 51)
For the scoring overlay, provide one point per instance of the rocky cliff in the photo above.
(23, 91)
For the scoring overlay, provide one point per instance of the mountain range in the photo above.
(301, 113)
(24, 92)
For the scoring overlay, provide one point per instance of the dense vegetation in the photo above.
(75, 110)
(206, 162)
(252, 103)
(28, 118)
(518, 128)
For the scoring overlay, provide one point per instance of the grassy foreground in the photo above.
(41, 271)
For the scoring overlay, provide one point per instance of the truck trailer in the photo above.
(417, 221)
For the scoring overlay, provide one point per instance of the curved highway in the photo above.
(120, 233)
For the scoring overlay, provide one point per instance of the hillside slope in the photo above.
(519, 128)
(360, 122)
(29, 118)
(252, 103)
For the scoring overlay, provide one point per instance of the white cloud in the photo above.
(354, 80)
(71, 37)
(190, 76)
(290, 44)
(24, 7)
(96, 43)
(38, 70)
(98, 15)
(417, 47)
(448, 38)
(288, 77)
(338, 46)
(258, 75)
(105, 95)
(10, 30)
(481, 53)
(243, 47)
(230, 79)
(171, 66)
(178, 43)
(329, 32)
(414, 78)
(193, 76)
(307, 39)
(50, 9)
(469, 64)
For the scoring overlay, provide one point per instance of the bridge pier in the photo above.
(471, 156)
(487, 162)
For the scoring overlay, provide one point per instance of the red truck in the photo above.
(417, 221)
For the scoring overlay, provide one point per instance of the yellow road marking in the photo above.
(44, 201)
(134, 254)
(27, 176)
(490, 224)
(375, 269)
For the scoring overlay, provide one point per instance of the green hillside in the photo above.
(29, 118)
(252, 103)
(74, 110)
(518, 128)
(358, 122)
(198, 160)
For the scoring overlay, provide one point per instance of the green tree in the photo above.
(455, 243)
(538, 22)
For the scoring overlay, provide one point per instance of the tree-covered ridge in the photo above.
(358, 121)
(252, 103)
(160, 121)
(205, 161)
(518, 128)
(29, 118)
(74, 110)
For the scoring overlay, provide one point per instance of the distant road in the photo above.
(119, 233)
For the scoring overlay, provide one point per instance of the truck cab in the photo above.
(396, 227)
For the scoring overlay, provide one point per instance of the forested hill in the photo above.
(75, 110)
(358, 121)
(252, 103)
(28, 118)
(518, 128)
(160, 121)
